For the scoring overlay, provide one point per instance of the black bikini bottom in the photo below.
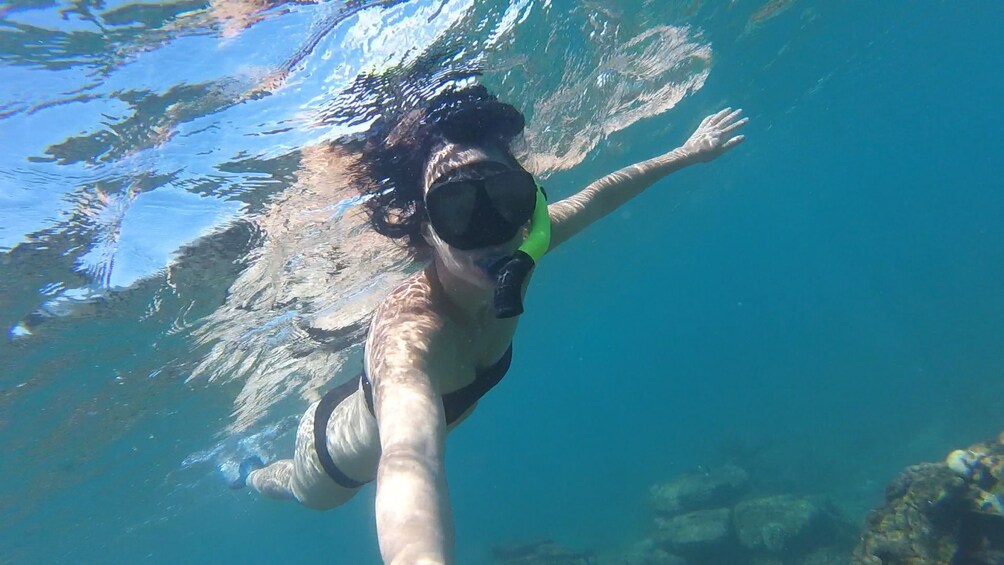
(324, 409)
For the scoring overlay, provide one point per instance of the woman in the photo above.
(444, 180)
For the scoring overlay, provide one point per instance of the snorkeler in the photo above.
(444, 180)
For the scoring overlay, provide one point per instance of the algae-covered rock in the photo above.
(828, 556)
(712, 488)
(777, 524)
(542, 552)
(982, 466)
(646, 552)
(704, 536)
(822, 556)
(917, 522)
(948, 512)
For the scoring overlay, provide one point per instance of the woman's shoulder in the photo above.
(404, 328)
(408, 304)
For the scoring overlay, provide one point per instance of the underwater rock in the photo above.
(821, 556)
(713, 488)
(541, 552)
(704, 536)
(941, 513)
(917, 523)
(828, 556)
(647, 552)
(982, 466)
(779, 524)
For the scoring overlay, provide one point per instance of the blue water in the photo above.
(825, 303)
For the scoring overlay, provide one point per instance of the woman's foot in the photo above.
(249, 464)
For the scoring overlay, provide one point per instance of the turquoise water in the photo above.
(825, 303)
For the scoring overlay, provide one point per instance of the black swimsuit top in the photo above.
(454, 403)
(459, 401)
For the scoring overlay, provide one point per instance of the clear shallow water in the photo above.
(830, 296)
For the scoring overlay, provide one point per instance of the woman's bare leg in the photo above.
(352, 443)
(274, 481)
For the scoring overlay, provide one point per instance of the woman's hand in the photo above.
(715, 136)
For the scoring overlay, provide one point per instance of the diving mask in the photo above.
(480, 206)
(484, 205)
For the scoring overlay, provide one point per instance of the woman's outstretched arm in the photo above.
(414, 521)
(713, 137)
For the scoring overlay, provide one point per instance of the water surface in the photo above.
(183, 268)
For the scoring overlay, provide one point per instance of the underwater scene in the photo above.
(784, 351)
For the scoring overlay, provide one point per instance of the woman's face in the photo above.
(475, 265)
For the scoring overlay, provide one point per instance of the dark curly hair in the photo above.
(393, 158)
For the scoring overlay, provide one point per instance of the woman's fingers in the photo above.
(731, 116)
(733, 142)
(715, 135)
(733, 127)
(717, 117)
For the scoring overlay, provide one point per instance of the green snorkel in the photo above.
(512, 276)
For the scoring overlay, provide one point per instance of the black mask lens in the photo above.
(451, 208)
(481, 212)
(513, 195)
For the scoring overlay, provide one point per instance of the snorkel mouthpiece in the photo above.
(509, 285)
(512, 275)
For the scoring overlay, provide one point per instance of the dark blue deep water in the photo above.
(824, 304)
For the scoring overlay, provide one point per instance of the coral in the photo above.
(916, 525)
(938, 513)
(982, 466)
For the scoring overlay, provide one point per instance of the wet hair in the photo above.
(393, 159)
